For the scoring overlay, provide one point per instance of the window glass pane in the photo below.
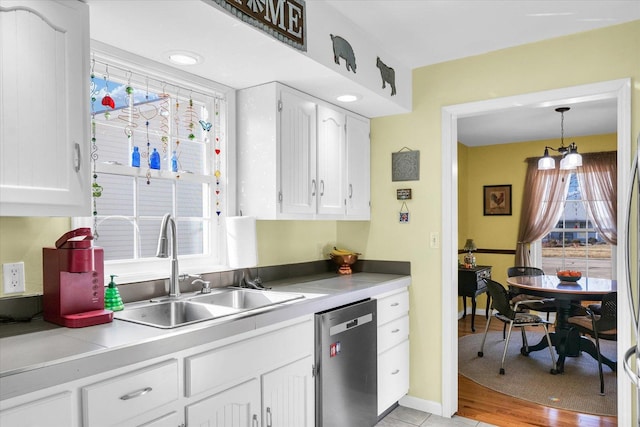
(190, 237)
(156, 198)
(149, 232)
(116, 236)
(191, 157)
(190, 199)
(117, 195)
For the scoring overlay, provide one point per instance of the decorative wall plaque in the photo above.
(343, 49)
(405, 165)
(403, 194)
(388, 75)
(285, 20)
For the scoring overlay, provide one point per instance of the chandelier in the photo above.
(571, 159)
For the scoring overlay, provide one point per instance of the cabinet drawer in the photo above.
(393, 307)
(54, 410)
(393, 333)
(393, 375)
(113, 401)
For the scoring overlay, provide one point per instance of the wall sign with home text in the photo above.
(281, 19)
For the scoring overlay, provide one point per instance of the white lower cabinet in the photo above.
(288, 395)
(261, 378)
(238, 406)
(262, 381)
(52, 411)
(393, 347)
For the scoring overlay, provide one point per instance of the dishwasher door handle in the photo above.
(350, 324)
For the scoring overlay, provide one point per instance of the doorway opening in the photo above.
(616, 89)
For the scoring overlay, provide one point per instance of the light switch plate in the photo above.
(13, 277)
(434, 240)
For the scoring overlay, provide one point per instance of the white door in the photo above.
(288, 396)
(358, 193)
(44, 100)
(297, 155)
(331, 155)
(236, 407)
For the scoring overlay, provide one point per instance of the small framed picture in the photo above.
(497, 199)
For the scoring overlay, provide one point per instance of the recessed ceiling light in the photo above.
(348, 98)
(184, 58)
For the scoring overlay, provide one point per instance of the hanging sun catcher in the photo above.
(96, 189)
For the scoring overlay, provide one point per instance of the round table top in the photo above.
(550, 286)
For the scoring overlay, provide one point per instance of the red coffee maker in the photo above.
(73, 274)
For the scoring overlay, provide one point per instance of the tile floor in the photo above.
(407, 417)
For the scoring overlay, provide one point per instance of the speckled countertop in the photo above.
(34, 360)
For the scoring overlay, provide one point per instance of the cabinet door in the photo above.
(51, 411)
(235, 407)
(331, 155)
(288, 396)
(299, 188)
(358, 193)
(44, 100)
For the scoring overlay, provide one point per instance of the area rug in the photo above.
(528, 377)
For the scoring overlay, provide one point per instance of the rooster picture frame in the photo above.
(497, 199)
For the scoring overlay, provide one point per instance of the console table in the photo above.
(470, 284)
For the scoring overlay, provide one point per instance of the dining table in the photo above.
(567, 295)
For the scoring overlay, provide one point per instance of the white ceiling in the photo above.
(416, 32)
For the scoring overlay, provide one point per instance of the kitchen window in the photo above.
(159, 145)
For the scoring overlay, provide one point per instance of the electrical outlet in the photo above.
(13, 274)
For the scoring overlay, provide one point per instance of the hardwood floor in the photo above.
(483, 404)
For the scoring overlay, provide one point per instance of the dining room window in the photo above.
(584, 236)
(575, 243)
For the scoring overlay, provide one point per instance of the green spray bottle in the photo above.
(112, 299)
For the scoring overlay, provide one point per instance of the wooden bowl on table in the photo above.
(569, 275)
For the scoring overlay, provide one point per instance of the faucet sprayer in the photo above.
(163, 252)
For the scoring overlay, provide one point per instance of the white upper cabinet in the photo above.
(331, 165)
(358, 171)
(44, 108)
(297, 152)
(292, 156)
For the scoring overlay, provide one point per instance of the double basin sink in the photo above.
(167, 314)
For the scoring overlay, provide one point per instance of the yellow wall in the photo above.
(589, 57)
(497, 165)
(601, 55)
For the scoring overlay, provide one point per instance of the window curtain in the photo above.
(542, 204)
(598, 178)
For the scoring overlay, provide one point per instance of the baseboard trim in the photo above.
(421, 405)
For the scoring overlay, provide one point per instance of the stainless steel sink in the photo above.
(246, 299)
(171, 314)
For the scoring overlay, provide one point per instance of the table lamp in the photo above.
(469, 259)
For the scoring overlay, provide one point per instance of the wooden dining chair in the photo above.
(599, 326)
(511, 315)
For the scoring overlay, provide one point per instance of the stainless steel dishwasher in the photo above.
(346, 364)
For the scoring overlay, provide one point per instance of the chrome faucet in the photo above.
(163, 252)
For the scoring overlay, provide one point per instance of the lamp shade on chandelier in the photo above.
(571, 159)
